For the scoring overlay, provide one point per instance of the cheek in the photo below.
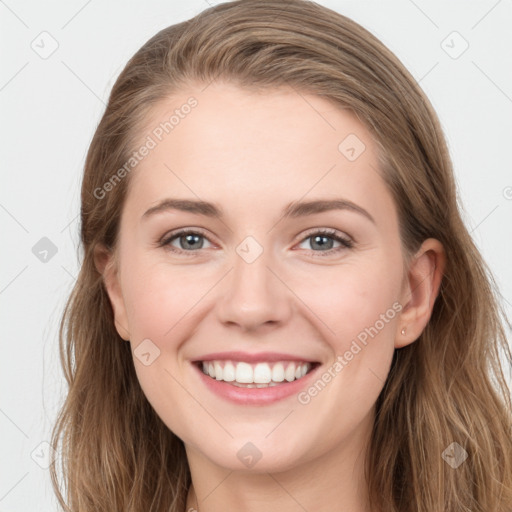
(161, 303)
(357, 309)
(350, 298)
(359, 305)
(159, 298)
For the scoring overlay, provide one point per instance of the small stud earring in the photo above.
(403, 331)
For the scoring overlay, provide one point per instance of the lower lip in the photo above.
(255, 396)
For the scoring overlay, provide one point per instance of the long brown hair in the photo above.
(446, 387)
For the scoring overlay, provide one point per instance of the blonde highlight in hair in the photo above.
(448, 386)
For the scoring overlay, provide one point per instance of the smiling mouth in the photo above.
(257, 375)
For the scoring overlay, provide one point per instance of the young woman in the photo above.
(279, 306)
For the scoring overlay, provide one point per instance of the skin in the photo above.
(253, 154)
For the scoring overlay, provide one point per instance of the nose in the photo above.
(254, 295)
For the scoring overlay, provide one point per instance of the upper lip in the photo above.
(258, 357)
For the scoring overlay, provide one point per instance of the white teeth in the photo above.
(262, 373)
(289, 373)
(218, 370)
(244, 373)
(278, 372)
(259, 375)
(229, 372)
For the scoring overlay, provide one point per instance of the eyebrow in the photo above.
(293, 210)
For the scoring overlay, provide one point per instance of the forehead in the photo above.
(254, 148)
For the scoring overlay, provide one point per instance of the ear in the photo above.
(106, 264)
(420, 290)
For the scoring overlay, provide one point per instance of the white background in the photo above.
(50, 108)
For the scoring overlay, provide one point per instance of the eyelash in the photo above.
(346, 243)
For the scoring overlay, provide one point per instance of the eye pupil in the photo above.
(322, 243)
(190, 238)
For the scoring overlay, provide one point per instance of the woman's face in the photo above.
(322, 285)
